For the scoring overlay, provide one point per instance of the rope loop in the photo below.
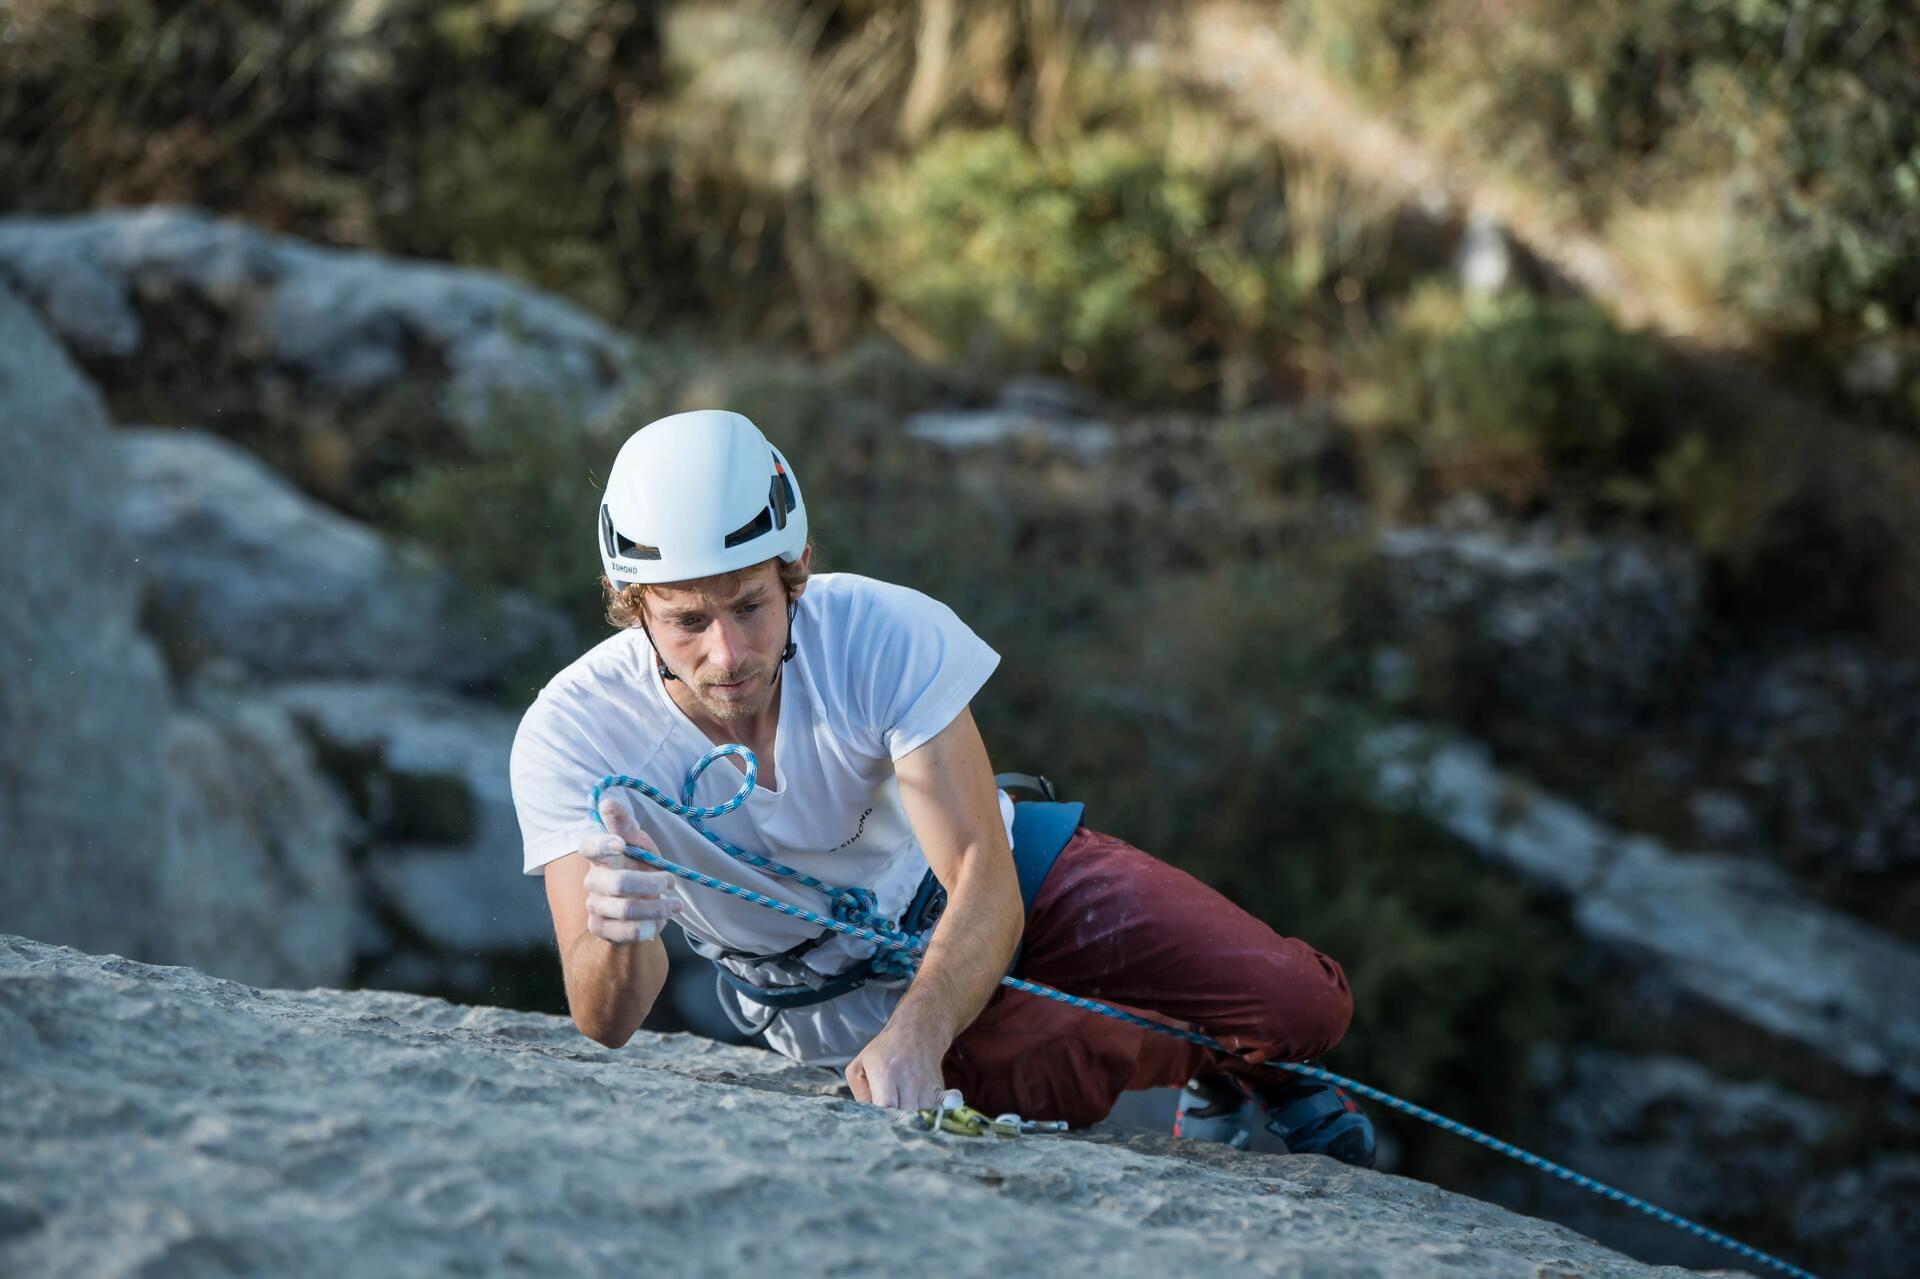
(856, 908)
(707, 761)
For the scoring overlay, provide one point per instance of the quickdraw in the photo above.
(953, 1116)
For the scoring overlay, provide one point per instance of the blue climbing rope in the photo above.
(855, 916)
(854, 907)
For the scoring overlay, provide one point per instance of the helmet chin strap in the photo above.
(786, 654)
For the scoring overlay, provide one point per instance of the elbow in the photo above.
(607, 1036)
(610, 1027)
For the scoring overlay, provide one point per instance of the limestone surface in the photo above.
(155, 1121)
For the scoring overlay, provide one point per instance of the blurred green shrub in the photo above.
(1805, 112)
(1105, 255)
(515, 509)
(1533, 399)
(532, 138)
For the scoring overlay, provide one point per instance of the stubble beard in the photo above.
(728, 710)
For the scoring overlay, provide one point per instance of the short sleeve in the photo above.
(552, 776)
(921, 666)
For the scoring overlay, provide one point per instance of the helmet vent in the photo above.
(760, 525)
(620, 547)
(637, 551)
(783, 496)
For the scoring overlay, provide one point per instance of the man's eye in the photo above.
(749, 608)
(692, 624)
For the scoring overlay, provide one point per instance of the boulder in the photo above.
(1583, 632)
(185, 317)
(159, 1122)
(199, 837)
(1049, 414)
(247, 567)
(254, 881)
(84, 702)
(426, 773)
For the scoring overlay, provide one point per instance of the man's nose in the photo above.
(723, 645)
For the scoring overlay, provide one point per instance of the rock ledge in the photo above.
(157, 1121)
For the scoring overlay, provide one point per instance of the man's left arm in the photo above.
(946, 787)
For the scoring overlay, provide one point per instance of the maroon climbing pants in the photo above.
(1113, 924)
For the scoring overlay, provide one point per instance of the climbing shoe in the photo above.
(1317, 1118)
(1213, 1108)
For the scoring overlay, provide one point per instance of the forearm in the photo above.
(611, 988)
(970, 951)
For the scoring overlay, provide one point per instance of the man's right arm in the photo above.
(607, 919)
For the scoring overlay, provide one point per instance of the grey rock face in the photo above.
(1868, 1215)
(1744, 938)
(174, 301)
(475, 1139)
(253, 875)
(1710, 1148)
(1084, 439)
(1831, 734)
(1585, 631)
(247, 567)
(1682, 1137)
(129, 827)
(84, 699)
(1735, 933)
(428, 772)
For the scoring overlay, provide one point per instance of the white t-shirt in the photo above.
(879, 671)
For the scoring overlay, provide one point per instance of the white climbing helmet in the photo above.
(697, 494)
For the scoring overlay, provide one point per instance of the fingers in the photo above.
(617, 882)
(605, 850)
(611, 850)
(602, 906)
(623, 931)
(875, 1089)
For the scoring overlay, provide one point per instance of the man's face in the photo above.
(723, 642)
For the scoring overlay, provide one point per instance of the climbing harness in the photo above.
(952, 1115)
(854, 915)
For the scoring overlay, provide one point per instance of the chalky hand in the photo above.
(625, 905)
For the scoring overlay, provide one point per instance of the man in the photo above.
(874, 792)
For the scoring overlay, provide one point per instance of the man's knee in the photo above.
(1303, 1003)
